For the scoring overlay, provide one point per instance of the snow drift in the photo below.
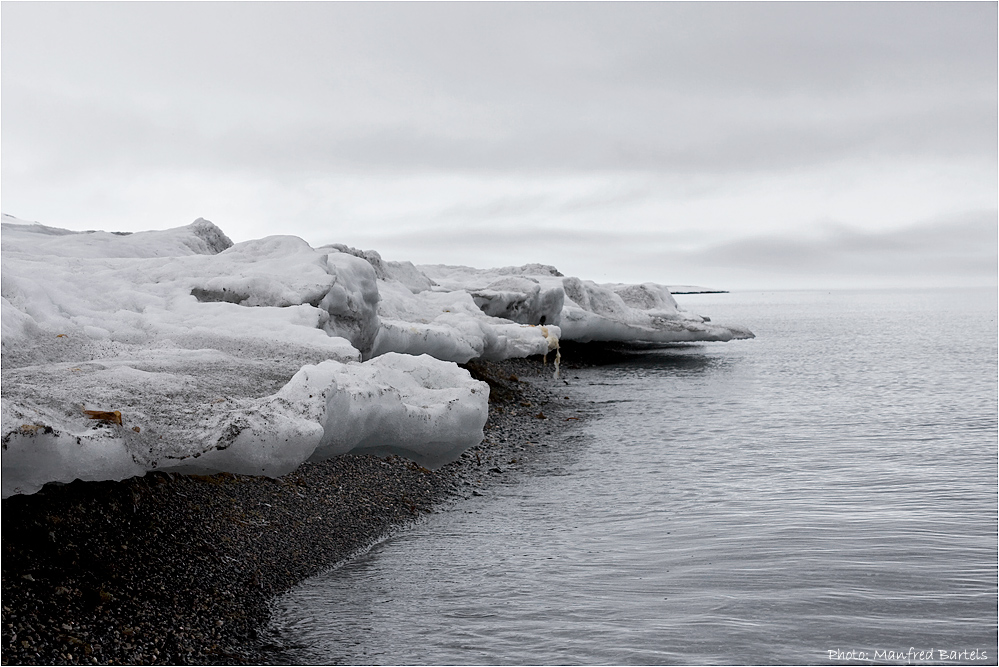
(178, 350)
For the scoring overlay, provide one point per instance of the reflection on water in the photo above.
(679, 357)
(829, 486)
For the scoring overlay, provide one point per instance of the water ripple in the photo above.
(829, 485)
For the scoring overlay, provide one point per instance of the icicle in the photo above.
(552, 345)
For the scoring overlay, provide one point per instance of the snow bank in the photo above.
(449, 325)
(583, 310)
(151, 286)
(214, 355)
(179, 350)
(203, 421)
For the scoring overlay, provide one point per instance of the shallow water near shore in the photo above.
(827, 488)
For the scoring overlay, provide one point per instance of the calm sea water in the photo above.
(826, 493)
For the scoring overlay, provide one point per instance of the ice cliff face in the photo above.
(178, 350)
(583, 310)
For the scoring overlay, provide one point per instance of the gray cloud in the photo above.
(652, 86)
(962, 248)
(245, 110)
(956, 250)
(968, 239)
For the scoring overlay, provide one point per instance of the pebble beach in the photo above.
(179, 569)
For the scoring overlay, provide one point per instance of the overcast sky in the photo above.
(732, 145)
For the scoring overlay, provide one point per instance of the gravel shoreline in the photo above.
(174, 569)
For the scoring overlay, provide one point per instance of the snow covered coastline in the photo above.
(179, 351)
(181, 569)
